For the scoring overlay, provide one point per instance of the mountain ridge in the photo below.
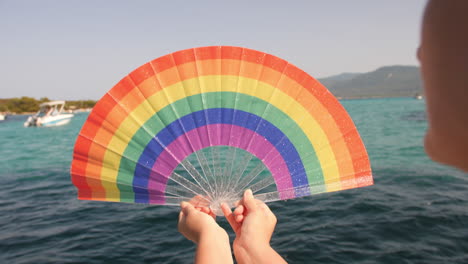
(386, 81)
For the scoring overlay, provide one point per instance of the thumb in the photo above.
(249, 201)
(186, 208)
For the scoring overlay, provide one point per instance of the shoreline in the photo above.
(339, 98)
(372, 97)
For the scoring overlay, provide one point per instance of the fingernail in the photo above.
(248, 193)
(183, 204)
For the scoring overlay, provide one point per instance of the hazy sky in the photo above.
(81, 49)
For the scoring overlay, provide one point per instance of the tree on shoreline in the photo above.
(28, 104)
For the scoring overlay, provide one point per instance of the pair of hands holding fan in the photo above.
(252, 221)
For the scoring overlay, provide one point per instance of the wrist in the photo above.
(213, 247)
(215, 234)
(251, 245)
(251, 253)
(258, 255)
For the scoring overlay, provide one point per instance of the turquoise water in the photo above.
(417, 211)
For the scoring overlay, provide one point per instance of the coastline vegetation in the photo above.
(28, 104)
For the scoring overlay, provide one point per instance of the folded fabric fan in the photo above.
(207, 123)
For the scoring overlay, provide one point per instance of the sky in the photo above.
(75, 50)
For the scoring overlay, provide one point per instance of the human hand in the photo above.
(198, 222)
(254, 223)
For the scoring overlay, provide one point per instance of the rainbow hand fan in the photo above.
(205, 124)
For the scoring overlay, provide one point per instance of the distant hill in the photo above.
(388, 81)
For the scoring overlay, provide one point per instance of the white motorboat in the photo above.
(2, 116)
(49, 114)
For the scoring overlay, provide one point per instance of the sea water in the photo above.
(417, 211)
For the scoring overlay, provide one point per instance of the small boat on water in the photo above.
(3, 116)
(49, 114)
